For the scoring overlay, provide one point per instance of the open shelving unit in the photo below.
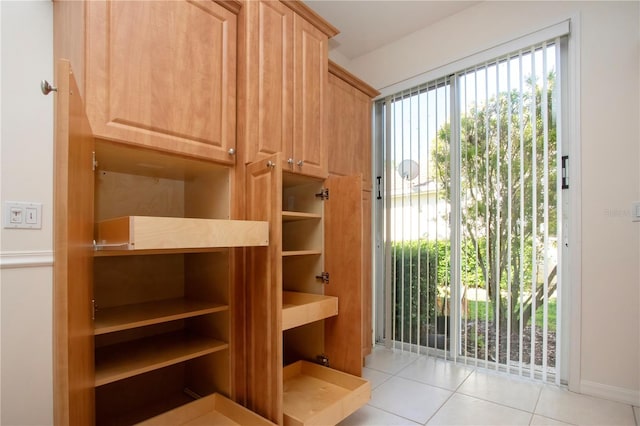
(161, 281)
(313, 394)
(301, 292)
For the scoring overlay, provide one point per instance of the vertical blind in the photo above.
(472, 214)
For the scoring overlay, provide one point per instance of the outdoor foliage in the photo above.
(422, 275)
(503, 180)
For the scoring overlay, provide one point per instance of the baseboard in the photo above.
(26, 259)
(613, 393)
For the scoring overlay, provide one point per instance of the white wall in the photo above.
(610, 140)
(26, 147)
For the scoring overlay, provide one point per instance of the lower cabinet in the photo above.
(304, 297)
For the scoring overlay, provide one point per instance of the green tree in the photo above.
(502, 180)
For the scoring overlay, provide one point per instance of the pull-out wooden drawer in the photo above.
(317, 395)
(211, 410)
(166, 233)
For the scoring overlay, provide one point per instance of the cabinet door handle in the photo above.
(300, 163)
(232, 151)
(271, 164)
(290, 161)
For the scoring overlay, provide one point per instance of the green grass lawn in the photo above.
(481, 307)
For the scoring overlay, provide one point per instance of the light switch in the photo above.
(635, 211)
(22, 215)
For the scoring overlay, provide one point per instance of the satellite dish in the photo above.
(408, 169)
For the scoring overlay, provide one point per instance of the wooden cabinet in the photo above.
(349, 113)
(158, 74)
(282, 85)
(304, 296)
(143, 273)
(349, 141)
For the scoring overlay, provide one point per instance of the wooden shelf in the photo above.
(317, 395)
(303, 308)
(117, 362)
(121, 318)
(211, 410)
(301, 253)
(124, 251)
(167, 233)
(295, 216)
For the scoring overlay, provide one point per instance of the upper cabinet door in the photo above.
(163, 75)
(310, 85)
(266, 80)
(349, 111)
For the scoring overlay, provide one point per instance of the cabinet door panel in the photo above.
(264, 292)
(343, 154)
(349, 130)
(162, 75)
(310, 82)
(343, 250)
(270, 81)
(73, 266)
(362, 136)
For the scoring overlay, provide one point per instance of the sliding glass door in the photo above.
(472, 197)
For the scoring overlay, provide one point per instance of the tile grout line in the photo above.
(535, 406)
(454, 392)
(393, 414)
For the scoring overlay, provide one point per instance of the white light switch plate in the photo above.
(22, 215)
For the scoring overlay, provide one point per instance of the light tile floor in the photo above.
(408, 389)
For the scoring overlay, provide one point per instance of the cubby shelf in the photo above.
(317, 395)
(120, 318)
(303, 308)
(123, 360)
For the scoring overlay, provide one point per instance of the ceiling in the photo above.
(366, 25)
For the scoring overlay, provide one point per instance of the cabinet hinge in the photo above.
(323, 194)
(324, 277)
(94, 164)
(565, 172)
(94, 309)
(322, 359)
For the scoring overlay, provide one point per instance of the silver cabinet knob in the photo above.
(232, 151)
(300, 163)
(290, 161)
(271, 164)
(47, 88)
